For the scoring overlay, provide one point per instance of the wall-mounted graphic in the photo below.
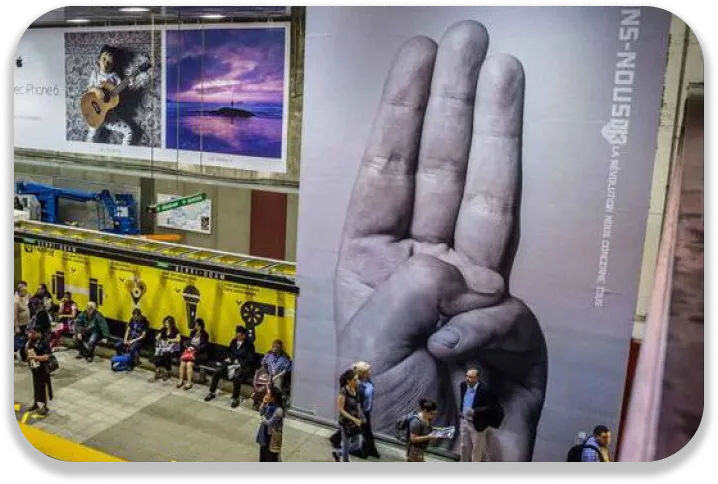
(192, 218)
(462, 224)
(137, 288)
(113, 92)
(252, 313)
(225, 91)
(191, 299)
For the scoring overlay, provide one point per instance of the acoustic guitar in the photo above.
(97, 102)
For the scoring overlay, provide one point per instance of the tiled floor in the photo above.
(124, 415)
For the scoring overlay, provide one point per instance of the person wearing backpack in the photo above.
(421, 430)
(595, 448)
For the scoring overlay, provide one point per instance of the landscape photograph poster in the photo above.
(225, 91)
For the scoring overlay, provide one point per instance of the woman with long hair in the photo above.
(420, 430)
(350, 416)
(166, 347)
(195, 352)
(38, 354)
(269, 436)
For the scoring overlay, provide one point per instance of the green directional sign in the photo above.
(177, 203)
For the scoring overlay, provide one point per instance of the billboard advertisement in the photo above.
(215, 96)
(475, 187)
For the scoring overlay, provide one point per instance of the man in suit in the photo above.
(477, 410)
(236, 367)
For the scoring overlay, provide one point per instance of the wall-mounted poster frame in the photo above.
(238, 131)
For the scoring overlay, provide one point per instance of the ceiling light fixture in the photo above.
(134, 9)
(78, 21)
(212, 16)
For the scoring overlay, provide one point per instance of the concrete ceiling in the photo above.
(114, 16)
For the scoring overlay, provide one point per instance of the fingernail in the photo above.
(447, 337)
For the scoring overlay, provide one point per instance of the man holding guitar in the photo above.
(102, 96)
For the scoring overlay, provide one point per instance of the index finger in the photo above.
(383, 193)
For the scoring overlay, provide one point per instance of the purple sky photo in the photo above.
(244, 65)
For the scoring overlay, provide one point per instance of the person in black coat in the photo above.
(238, 365)
(38, 353)
(479, 411)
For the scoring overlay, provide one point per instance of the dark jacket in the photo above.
(95, 324)
(244, 355)
(487, 411)
(41, 321)
(203, 341)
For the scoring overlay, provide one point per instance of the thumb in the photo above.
(403, 311)
(509, 324)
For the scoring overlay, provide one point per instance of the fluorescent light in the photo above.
(212, 16)
(134, 9)
(78, 21)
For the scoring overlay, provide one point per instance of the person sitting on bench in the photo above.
(236, 367)
(66, 314)
(273, 371)
(90, 327)
(135, 335)
(195, 353)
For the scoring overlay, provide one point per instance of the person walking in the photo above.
(420, 430)
(350, 416)
(38, 354)
(366, 390)
(269, 435)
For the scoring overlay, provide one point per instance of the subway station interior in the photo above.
(365, 234)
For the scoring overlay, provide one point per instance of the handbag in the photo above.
(162, 346)
(189, 354)
(275, 441)
(232, 371)
(52, 364)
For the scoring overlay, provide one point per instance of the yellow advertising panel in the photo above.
(163, 289)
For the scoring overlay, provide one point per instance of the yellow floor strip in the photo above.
(63, 449)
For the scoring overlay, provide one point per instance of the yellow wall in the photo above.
(219, 304)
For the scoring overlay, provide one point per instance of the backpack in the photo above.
(575, 453)
(401, 427)
(121, 363)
